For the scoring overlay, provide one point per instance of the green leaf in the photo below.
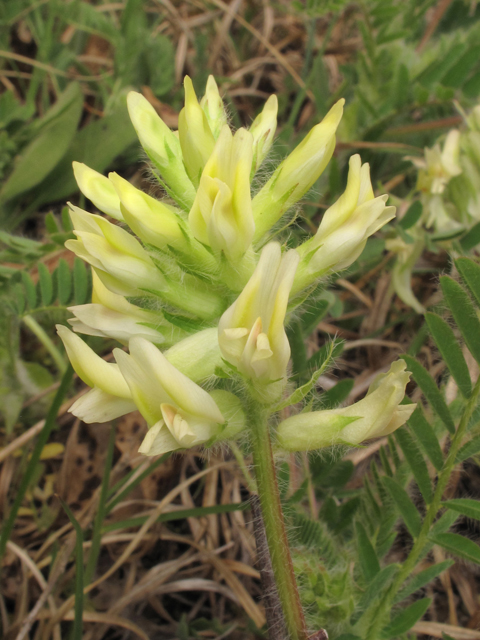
(458, 545)
(443, 524)
(51, 224)
(367, 557)
(346, 512)
(385, 462)
(458, 74)
(429, 387)
(30, 290)
(416, 462)
(20, 300)
(300, 393)
(405, 620)
(377, 587)
(45, 284)
(472, 237)
(407, 509)
(38, 159)
(451, 352)
(314, 534)
(80, 281)
(439, 67)
(470, 272)
(413, 215)
(426, 435)
(421, 579)
(471, 89)
(297, 347)
(464, 313)
(97, 145)
(64, 282)
(314, 314)
(469, 449)
(465, 506)
(67, 223)
(324, 353)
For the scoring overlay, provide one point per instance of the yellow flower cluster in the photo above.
(197, 274)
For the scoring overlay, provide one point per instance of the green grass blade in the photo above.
(123, 494)
(35, 457)
(101, 511)
(79, 577)
(181, 514)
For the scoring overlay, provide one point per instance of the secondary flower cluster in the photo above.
(448, 184)
(197, 274)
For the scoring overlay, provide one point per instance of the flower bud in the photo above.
(212, 105)
(151, 220)
(251, 332)
(180, 414)
(162, 147)
(119, 260)
(110, 396)
(376, 415)
(196, 138)
(221, 216)
(297, 173)
(112, 316)
(98, 189)
(263, 131)
(345, 227)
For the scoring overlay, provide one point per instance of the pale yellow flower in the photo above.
(297, 173)
(376, 415)
(251, 332)
(221, 216)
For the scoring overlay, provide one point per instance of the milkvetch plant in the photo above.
(199, 286)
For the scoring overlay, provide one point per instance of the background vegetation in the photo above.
(164, 548)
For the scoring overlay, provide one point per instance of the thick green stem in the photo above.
(275, 525)
(386, 603)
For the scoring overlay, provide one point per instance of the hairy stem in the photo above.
(386, 602)
(275, 531)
